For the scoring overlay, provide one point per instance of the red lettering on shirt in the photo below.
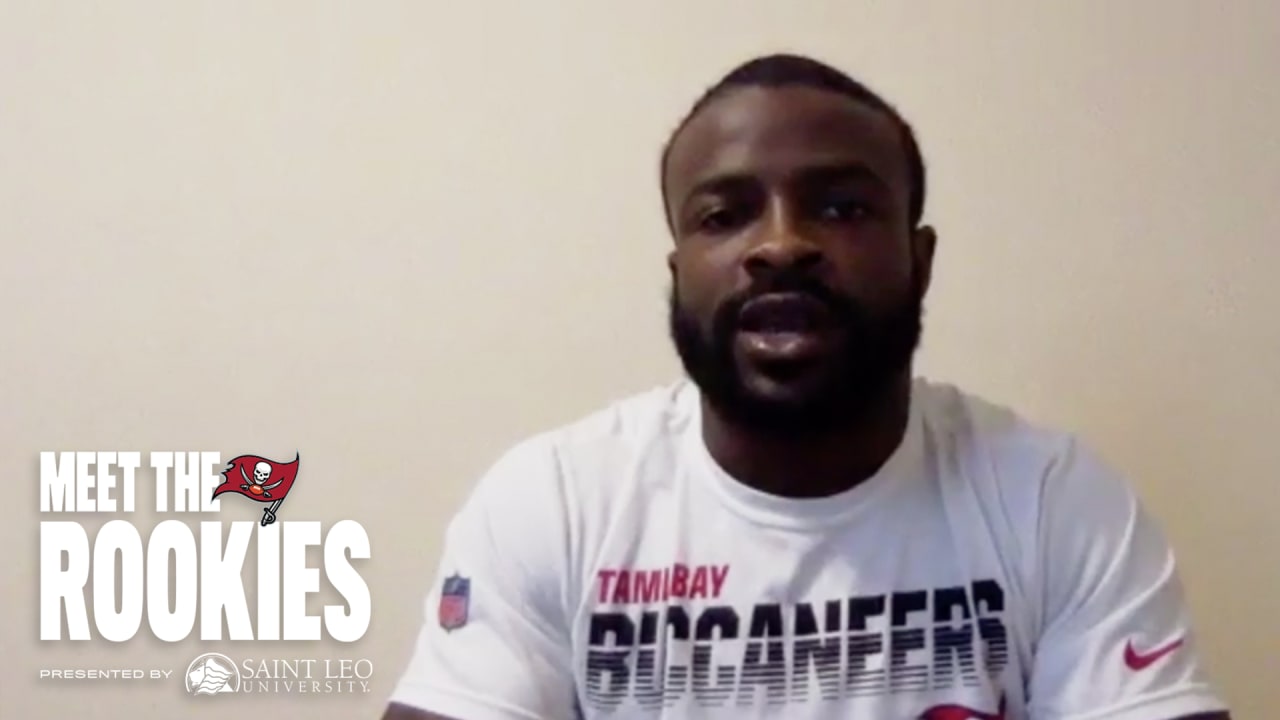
(622, 586)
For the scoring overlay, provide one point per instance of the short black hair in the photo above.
(783, 70)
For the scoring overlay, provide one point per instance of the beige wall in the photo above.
(397, 236)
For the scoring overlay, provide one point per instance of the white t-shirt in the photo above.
(990, 569)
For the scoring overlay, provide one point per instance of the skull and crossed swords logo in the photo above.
(258, 485)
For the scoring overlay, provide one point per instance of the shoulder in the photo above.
(1020, 458)
(1041, 490)
(1060, 513)
(591, 454)
(969, 424)
(633, 424)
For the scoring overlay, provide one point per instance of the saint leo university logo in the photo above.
(260, 480)
(212, 673)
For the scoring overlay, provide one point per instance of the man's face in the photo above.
(798, 279)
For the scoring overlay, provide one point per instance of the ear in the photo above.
(671, 264)
(923, 243)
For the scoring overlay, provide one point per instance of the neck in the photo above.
(813, 466)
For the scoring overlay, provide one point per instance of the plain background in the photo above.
(396, 237)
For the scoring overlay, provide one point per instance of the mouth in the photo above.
(784, 327)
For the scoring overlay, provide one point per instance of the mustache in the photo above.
(842, 308)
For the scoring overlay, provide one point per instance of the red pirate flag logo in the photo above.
(961, 712)
(260, 479)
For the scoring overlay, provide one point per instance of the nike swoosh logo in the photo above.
(1141, 661)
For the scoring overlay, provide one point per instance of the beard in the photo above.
(873, 353)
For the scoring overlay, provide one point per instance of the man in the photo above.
(804, 530)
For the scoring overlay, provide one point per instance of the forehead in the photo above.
(773, 133)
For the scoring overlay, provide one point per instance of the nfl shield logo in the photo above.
(455, 597)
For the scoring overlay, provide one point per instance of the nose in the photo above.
(782, 246)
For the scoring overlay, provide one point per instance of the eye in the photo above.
(843, 209)
(717, 219)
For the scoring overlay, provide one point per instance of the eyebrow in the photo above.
(812, 174)
(838, 172)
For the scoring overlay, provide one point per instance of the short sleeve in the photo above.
(494, 641)
(1116, 640)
